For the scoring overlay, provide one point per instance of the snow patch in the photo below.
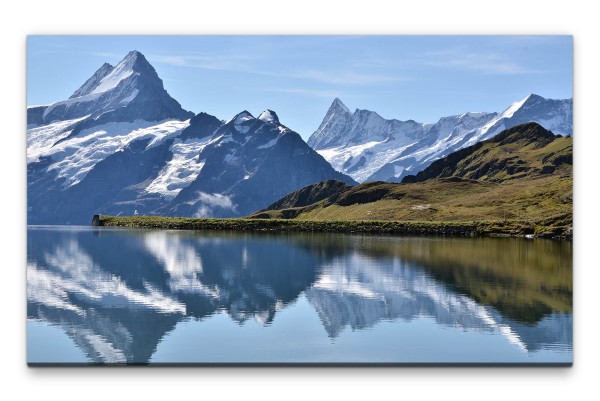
(130, 97)
(376, 154)
(75, 157)
(181, 170)
(72, 102)
(268, 116)
(41, 139)
(513, 108)
(269, 144)
(242, 118)
(241, 128)
(119, 73)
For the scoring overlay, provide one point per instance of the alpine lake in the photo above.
(98, 295)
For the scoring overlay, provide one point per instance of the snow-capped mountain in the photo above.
(129, 91)
(340, 127)
(122, 145)
(367, 147)
(250, 162)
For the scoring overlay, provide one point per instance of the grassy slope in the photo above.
(521, 194)
(525, 200)
(520, 152)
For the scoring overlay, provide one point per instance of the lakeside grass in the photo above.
(489, 228)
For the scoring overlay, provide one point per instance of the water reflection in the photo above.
(117, 293)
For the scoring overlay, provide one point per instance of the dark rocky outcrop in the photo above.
(35, 115)
(310, 194)
(201, 126)
(251, 163)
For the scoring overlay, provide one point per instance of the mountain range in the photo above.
(368, 147)
(122, 145)
(522, 176)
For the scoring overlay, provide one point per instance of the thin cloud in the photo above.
(345, 77)
(482, 63)
(309, 92)
(108, 55)
(226, 62)
(244, 64)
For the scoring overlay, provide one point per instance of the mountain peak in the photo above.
(136, 61)
(269, 116)
(201, 126)
(513, 108)
(529, 99)
(108, 77)
(533, 97)
(130, 90)
(91, 84)
(241, 117)
(528, 133)
(134, 54)
(338, 105)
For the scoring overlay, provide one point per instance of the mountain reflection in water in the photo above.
(117, 293)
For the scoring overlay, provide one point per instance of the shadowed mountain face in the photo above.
(117, 294)
(249, 163)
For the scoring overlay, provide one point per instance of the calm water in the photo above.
(107, 296)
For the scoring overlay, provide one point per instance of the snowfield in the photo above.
(181, 170)
(41, 139)
(75, 157)
(348, 160)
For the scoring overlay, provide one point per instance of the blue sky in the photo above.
(404, 77)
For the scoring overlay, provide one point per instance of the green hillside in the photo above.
(522, 175)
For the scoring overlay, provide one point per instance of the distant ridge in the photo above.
(368, 147)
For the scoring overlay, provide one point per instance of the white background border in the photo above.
(298, 17)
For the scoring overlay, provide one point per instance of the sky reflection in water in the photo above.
(132, 296)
